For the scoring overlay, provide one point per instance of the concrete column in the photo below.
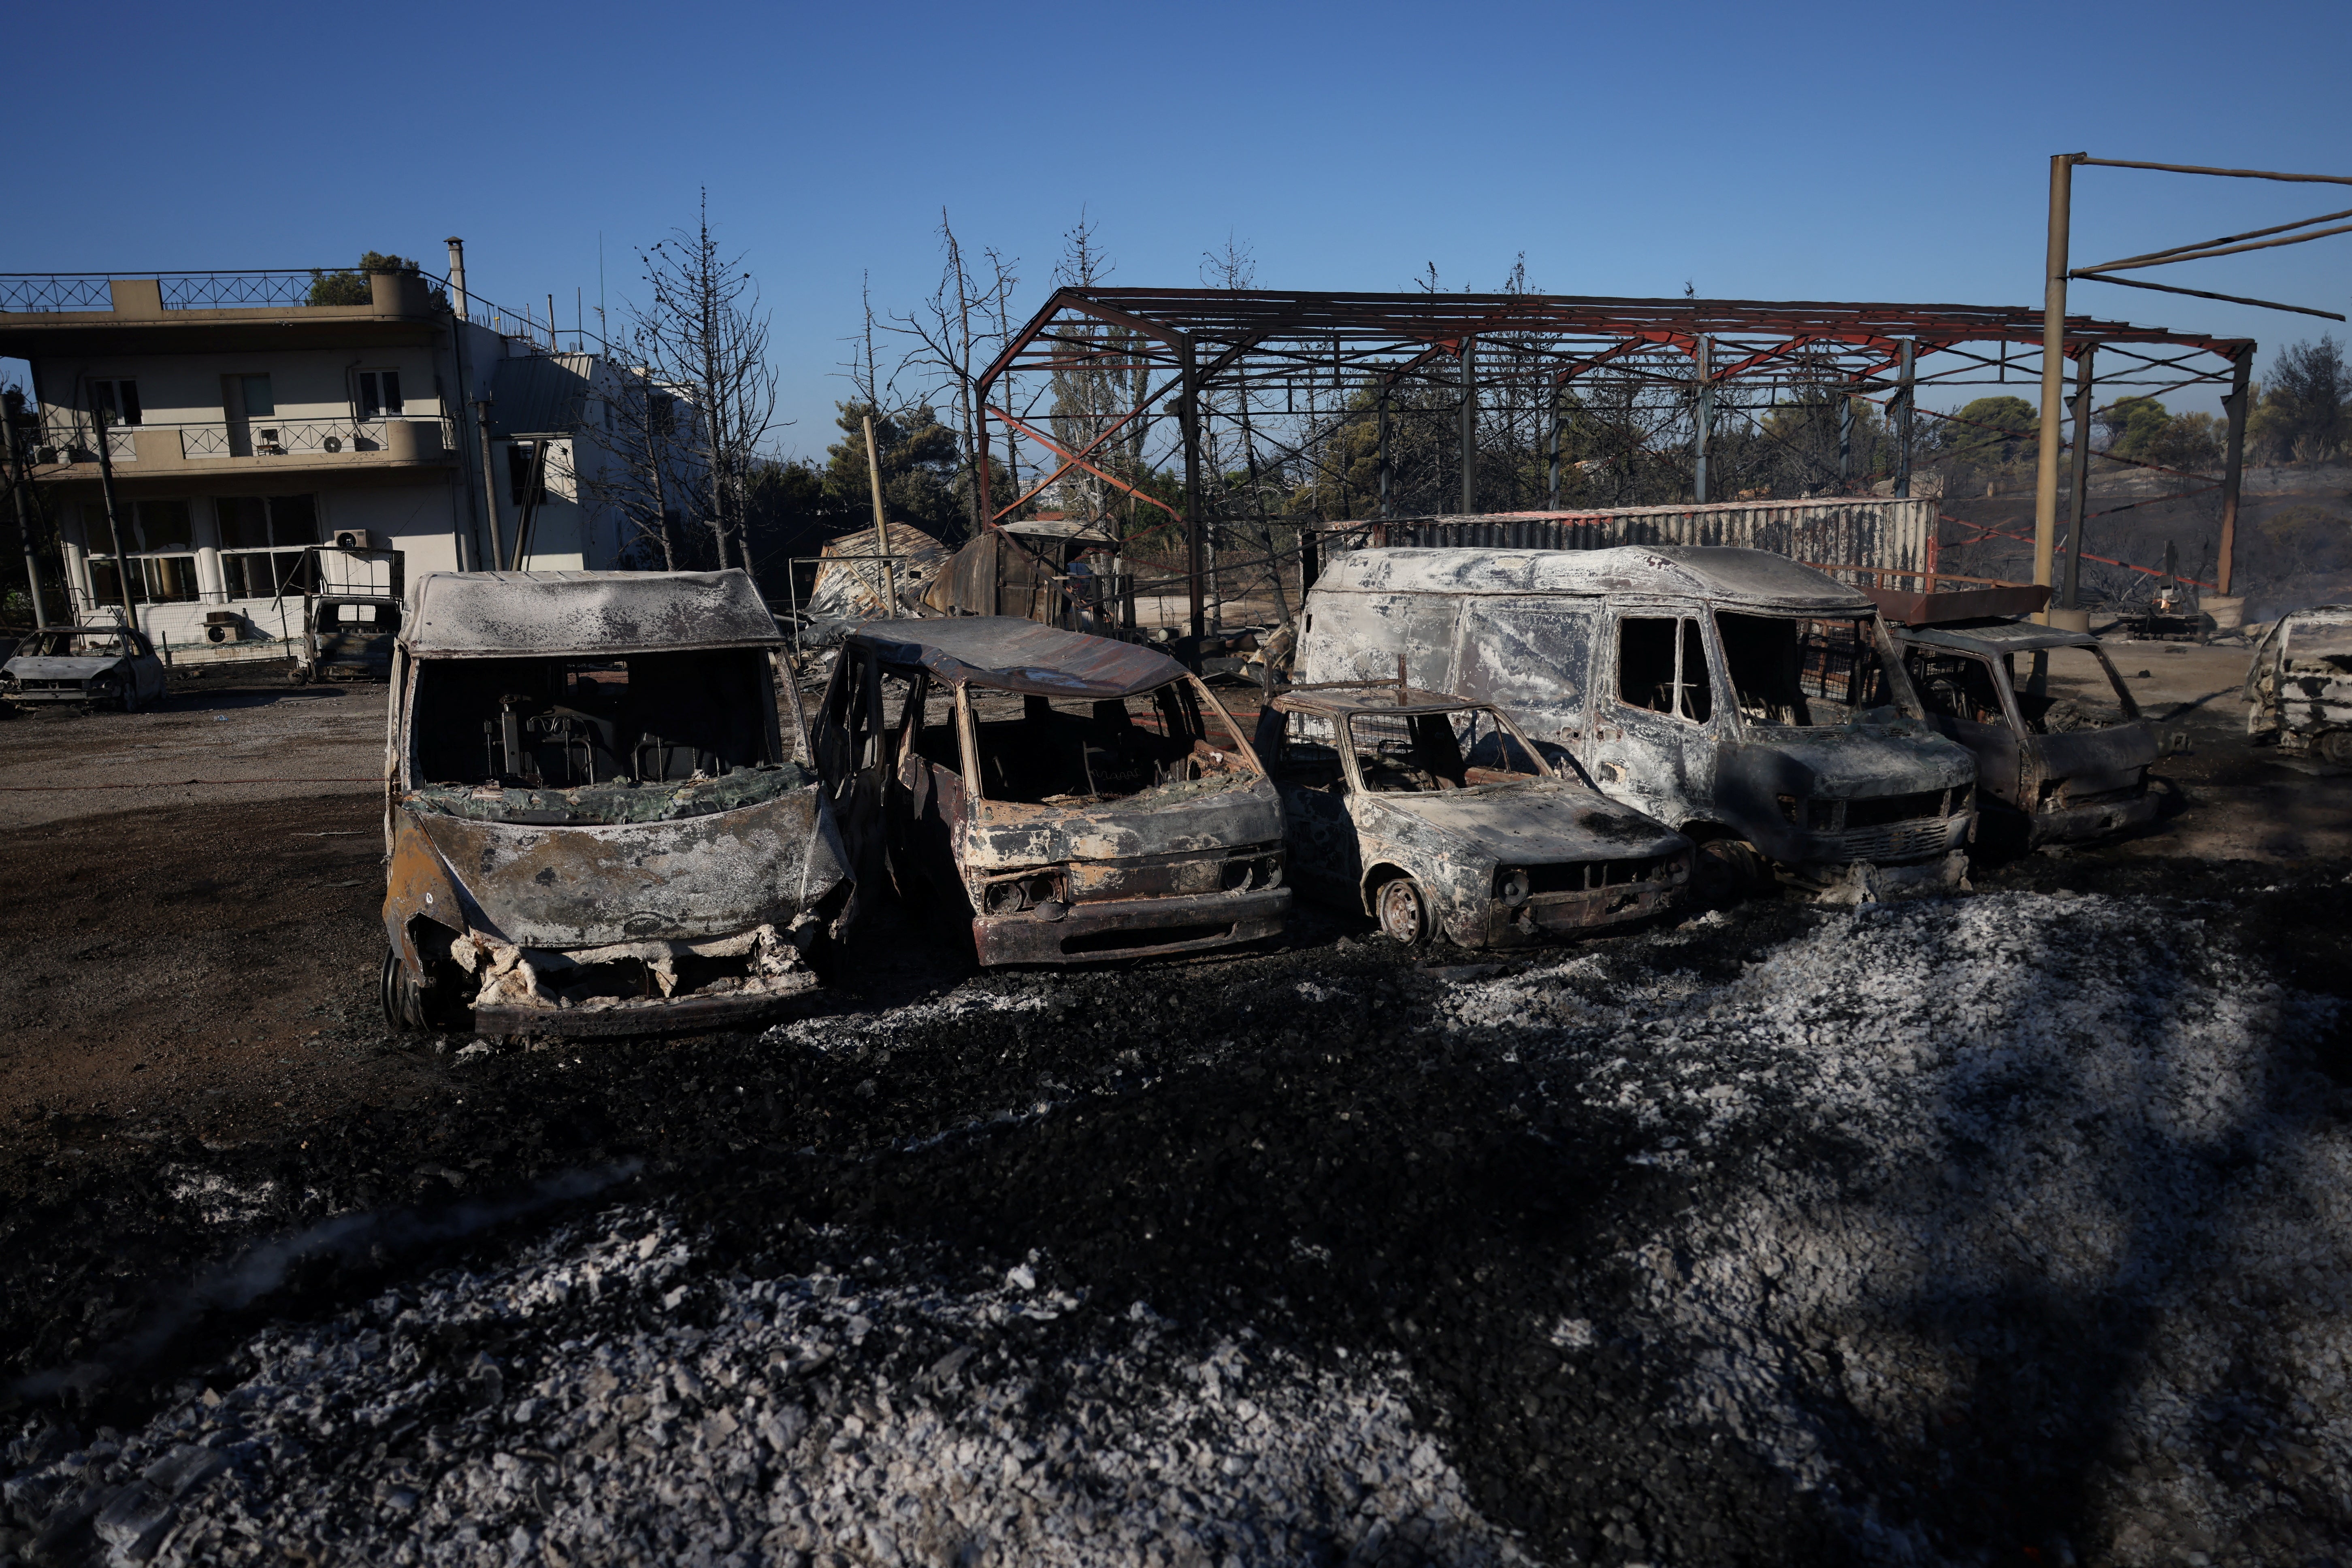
(204, 525)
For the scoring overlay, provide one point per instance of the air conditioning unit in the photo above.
(357, 539)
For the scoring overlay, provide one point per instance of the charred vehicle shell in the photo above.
(92, 665)
(1434, 815)
(2299, 687)
(1063, 796)
(2059, 742)
(1734, 695)
(593, 822)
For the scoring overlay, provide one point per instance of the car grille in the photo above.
(1897, 840)
(1581, 875)
(48, 686)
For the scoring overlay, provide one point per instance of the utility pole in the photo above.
(2080, 499)
(1469, 424)
(1188, 419)
(2233, 465)
(881, 530)
(2053, 367)
(113, 522)
(19, 484)
(490, 484)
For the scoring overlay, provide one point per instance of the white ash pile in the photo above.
(2002, 1184)
(831, 1418)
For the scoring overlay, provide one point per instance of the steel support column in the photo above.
(1469, 425)
(2233, 465)
(2079, 500)
(1706, 421)
(1904, 424)
(1384, 452)
(1188, 419)
(1845, 444)
(20, 485)
(2053, 367)
(114, 523)
(1555, 447)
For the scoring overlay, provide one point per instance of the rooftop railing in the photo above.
(59, 441)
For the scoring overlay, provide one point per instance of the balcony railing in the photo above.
(59, 441)
(274, 288)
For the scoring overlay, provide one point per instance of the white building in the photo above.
(245, 423)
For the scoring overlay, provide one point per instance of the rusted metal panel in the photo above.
(511, 614)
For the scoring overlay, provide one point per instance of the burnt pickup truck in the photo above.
(1060, 796)
(593, 826)
(1753, 704)
(1435, 814)
(2060, 749)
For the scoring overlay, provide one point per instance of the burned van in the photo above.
(1752, 703)
(1435, 814)
(2061, 751)
(595, 826)
(1063, 797)
(2299, 687)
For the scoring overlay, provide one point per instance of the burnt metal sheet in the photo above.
(540, 395)
(1018, 656)
(572, 887)
(1905, 607)
(520, 613)
(1995, 637)
(852, 589)
(1132, 928)
(1755, 577)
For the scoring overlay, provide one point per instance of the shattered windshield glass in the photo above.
(1805, 671)
(1148, 750)
(645, 738)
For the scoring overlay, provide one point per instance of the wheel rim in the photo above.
(1401, 914)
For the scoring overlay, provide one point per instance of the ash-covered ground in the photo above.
(2011, 1226)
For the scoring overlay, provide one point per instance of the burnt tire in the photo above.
(1726, 870)
(2334, 748)
(392, 985)
(1402, 909)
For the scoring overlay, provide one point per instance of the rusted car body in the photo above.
(1070, 798)
(92, 665)
(1436, 815)
(2299, 687)
(594, 828)
(1754, 704)
(2059, 743)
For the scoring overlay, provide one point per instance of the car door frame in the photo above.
(2009, 740)
(1685, 748)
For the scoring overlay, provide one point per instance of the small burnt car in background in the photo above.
(96, 666)
(349, 638)
(2060, 749)
(595, 826)
(2299, 686)
(1062, 797)
(1435, 814)
(1753, 704)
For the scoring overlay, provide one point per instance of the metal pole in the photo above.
(1706, 420)
(1188, 419)
(2233, 465)
(1555, 447)
(2079, 502)
(2053, 368)
(1845, 444)
(19, 483)
(1384, 453)
(489, 483)
(1469, 425)
(881, 531)
(113, 524)
(1902, 422)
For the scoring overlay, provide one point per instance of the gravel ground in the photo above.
(2007, 1227)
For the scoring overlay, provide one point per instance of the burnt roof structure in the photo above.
(1014, 654)
(476, 614)
(1099, 374)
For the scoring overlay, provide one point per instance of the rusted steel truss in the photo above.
(1177, 380)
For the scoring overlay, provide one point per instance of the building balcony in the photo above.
(174, 312)
(65, 452)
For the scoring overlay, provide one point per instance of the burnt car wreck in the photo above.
(594, 828)
(1062, 798)
(2298, 688)
(1436, 816)
(1754, 704)
(2061, 751)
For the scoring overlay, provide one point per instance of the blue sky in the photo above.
(1775, 151)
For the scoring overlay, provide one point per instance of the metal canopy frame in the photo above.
(1247, 357)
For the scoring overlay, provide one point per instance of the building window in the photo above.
(379, 394)
(261, 545)
(254, 400)
(162, 546)
(520, 458)
(118, 399)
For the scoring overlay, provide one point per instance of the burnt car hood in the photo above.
(1002, 835)
(1537, 823)
(69, 667)
(590, 886)
(1857, 761)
